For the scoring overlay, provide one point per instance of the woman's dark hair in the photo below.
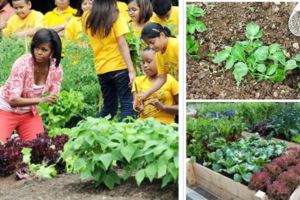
(146, 10)
(161, 7)
(153, 30)
(48, 36)
(103, 15)
(79, 9)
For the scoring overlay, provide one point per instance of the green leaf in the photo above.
(271, 69)
(240, 70)
(128, 152)
(278, 76)
(106, 159)
(162, 170)
(173, 170)
(237, 178)
(200, 26)
(290, 65)
(26, 155)
(237, 52)
(278, 56)
(79, 164)
(247, 177)
(217, 167)
(253, 31)
(230, 62)
(150, 171)
(221, 56)
(166, 180)
(261, 54)
(139, 177)
(261, 68)
(110, 179)
(297, 58)
(274, 48)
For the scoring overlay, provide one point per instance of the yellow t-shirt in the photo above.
(172, 23)
(53, 18)
(164, 95)
(15, 24)
(135, 29)
(123, 10)
(167, 63)
(107, 56)
(73, 30)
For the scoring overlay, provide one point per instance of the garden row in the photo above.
(216, 140)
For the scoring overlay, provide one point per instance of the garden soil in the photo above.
(226, 24)
(69, 187)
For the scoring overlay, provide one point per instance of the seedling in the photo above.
(252, 57)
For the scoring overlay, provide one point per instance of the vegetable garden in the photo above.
(245, 150)
(81, 156)
(241, 51)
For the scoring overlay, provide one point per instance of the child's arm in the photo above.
(29, 32)
(157, 84)
(123, 47)
(137, 104)
(168, 109)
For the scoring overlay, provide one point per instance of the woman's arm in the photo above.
(21, 102)
(123, 47)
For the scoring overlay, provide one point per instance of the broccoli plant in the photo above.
(194, 25)
(252, 57)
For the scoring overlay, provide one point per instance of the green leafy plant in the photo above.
(135, 48)
(40, 170)
(252, 57)
(243, 157)
(57, 115)
(194, 25)
(97, 148)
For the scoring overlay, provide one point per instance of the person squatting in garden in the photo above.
(106, 30)
(162, 105)
(25, 21)
(140, 11)
(166, 58)
(32, 75)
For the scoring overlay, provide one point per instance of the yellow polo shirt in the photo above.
(172, 23)
(165, 95)
(167, 63)
(16, 24)
(73, 30)
(123, 10)
(107, 56)
(53, 18)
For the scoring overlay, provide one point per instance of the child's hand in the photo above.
(157, 104)
(143, 97)
(138, 105)
(131, 78)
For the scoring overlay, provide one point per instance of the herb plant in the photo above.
(252, 57)
(194, 26)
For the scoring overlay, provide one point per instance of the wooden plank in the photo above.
(191, 178)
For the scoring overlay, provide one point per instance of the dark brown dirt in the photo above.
(226, 23)
(70, 187)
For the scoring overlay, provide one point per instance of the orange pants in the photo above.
(27, 125)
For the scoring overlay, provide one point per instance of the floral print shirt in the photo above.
(21, 80)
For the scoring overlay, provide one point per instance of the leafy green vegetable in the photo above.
(97, 147)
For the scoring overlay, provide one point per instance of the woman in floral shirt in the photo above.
(31, 77)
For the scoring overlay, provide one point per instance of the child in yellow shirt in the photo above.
(140, 11)
(166, 15)
(166, 47)
(162, 104)
(106, 29)
(122, 7)
(73, 30)
(25, 22)
(59, 16)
